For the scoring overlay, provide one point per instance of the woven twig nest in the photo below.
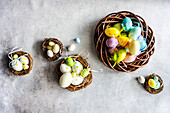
(23, 72)
(100, 40)
(151, 90)
(87, 80)
(44, 48)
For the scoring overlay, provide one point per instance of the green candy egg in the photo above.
(69, 61)
(121, 54)
(118, 26)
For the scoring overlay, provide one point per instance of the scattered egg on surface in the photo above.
(71, 47)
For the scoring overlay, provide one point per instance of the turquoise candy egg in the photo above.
(155, 78)
(127, 23)
(77, 40)
(143, 44)
(134, 33)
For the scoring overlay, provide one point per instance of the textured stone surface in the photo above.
(25, 23)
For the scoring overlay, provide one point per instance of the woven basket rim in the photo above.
(100, 38)
(149, 89)
(23, 72)
(44, 48)
(87, 80)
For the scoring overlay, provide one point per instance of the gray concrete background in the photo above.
(26, 23)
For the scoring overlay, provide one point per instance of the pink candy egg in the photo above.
(129, 58)
(111, 42)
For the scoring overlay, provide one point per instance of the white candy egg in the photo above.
(77, 80)
(141, 79)
(50, 53)
(64, 68)
(71, 47)
(77, 67)
(65, 80)
(49, 47)
(25, 66)
(24, 60)
(56, 48)
(16, 65)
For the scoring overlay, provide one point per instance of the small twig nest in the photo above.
(87, 80)
(23, 72)
(151, 90)
(44, 48)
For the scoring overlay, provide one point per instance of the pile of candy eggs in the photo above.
(72, 73)
(52, 49)
(125, 41)
(19, 63)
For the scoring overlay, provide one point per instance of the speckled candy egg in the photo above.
(77, 80)
(24, 60)
(143, 44)
(77, 67)
(16, 65)
(64, 68)
(152, 83)
(65, 80)
(129, 58)
(112, 32)
(127, 23)
(111, 42)
(121, 54)
(134, 47)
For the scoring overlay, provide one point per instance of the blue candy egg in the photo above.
(134, 33)
(77, 40)
(143, 44)
(140, 38)
(127, 23)
(155, 78)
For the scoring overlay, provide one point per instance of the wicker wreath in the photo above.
(23, 72)
(87, 80)
(44, 48)
(100, 39)
(150, 90)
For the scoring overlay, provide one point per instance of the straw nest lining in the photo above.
(23, 72)
(87, 80)
(149, 89)
(100, 39)
(46, 43)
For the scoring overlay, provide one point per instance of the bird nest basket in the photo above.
(149, 89)
(44, 48)
(23, 72)
(100, 39)
(87, 80)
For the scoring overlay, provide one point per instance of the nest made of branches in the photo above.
(101, 48)
(44, 48)
(151, 90)
(87, 80)
(23, 72)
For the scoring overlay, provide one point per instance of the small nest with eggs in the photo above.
(22, 72)
(44, 48)
(151, 90)
(87, 80)
(101, 48)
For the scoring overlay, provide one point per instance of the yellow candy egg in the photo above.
(134, 47)
(152, 83)
(51, 43)
(25, 66)
(123, 40)
(112, 32)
